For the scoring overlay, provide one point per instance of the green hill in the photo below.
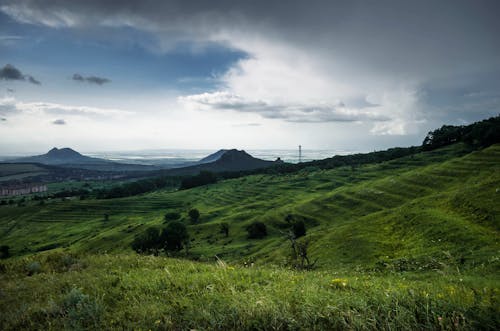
(411, 208)
(411, 243)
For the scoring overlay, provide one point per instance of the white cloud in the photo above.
(56, 18)
(292, 112)
(9, 105)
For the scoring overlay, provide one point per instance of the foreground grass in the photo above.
(145, 292)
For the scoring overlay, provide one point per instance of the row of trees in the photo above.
(477, 135)
(138, 187)
(203, 178)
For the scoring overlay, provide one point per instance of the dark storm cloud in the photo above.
(59, 122)
(363, 44)
(78, 77)
(9, 72)
(91, 79)
(405, 37)
(33, 80)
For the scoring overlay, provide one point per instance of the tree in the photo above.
(4, 251)
(194, 215)
(147, 241)
(299, 229)
(224, 228)
(256, 230)
(174, 236)
(299, 252)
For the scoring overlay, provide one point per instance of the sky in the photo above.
(343, 75)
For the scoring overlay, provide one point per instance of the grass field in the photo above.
(145, 292)
(415, 239)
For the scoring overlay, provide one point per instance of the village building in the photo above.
(22, 189)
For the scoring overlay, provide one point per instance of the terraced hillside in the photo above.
(424, 211)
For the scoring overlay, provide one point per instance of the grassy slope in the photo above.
(435, 205)
(434, 214)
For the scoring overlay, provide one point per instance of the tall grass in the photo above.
(144, 292)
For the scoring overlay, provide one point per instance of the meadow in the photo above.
(410, 243)
(116, 292)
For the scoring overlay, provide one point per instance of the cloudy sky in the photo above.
(357, 75)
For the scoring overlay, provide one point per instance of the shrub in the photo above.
(80, 311)
(61, 262)
(33, 268)
(172, 216)
(224, 228)
(4, 251)
(256, 230)
(194, 215)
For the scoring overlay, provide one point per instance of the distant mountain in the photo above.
(220, 161)
(67, 157)
(224, 160)
(61, 156)
(213, 157)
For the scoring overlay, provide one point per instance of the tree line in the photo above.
(477, 135)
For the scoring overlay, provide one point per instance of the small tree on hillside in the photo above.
(256, 230)
(194, 215)
(299, 229)
(224, 228)
(4, 251)
(174, 236)
(300, 255)
(147, 241)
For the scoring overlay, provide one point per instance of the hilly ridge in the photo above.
(413, 208)
(221, 161)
